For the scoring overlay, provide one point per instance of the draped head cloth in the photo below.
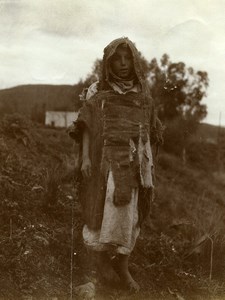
(107, 76)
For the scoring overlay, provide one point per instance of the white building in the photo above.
(60, 118)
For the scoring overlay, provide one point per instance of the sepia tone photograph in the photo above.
(112, 150)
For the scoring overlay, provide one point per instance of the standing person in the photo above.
(116, 127)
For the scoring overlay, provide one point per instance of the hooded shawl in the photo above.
(120, 126)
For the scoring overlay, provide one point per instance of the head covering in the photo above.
(107, 75)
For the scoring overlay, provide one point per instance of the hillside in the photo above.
(31, 99)
(209, 132)
(179, 255)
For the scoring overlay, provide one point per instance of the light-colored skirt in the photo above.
(119, 229)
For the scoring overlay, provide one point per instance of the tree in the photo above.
(95, 74)
(177, 90)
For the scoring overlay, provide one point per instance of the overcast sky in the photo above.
(57, 41)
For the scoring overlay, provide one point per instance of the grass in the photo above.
(180, 252)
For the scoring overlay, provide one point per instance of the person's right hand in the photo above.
(86, 167)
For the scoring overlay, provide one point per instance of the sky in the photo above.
(57, 41)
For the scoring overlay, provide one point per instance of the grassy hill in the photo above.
(179, 255)
(33, 99)
(209, 132)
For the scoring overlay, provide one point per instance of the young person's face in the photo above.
(122, 62)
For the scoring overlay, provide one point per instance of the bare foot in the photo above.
(129, 282)
(125, 277)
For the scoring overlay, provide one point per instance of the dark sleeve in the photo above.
(156, 126)
(156, 130)
(84, 120)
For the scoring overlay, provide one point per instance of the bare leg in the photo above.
(105, 268)
(123, 272)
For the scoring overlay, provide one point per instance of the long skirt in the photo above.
(119, 229)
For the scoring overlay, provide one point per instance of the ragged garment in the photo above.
(120, 117)
(121, 120)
